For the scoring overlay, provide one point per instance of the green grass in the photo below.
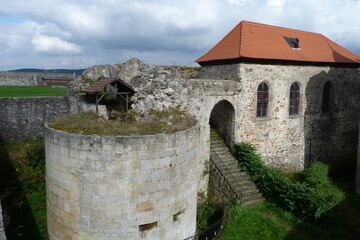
(23, 189)
(268, 222)
(89, 123)
(31, 91)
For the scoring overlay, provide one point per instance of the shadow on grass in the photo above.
(342, 222)
(19, 220)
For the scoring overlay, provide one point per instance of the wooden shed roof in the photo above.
(104, 82)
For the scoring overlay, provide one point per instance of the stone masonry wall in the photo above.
(357, 181)
(2, 230)
(286, 141)
(122, 187)
(23, 118)
(28, 79)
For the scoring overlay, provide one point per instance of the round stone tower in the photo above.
(121, 187)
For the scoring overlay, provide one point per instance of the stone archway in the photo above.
(222, 118)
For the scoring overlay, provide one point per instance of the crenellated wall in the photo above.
(121, 187)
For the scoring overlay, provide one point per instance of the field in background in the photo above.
(31, 91)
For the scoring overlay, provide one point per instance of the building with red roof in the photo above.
(298, 94)
(250, 41)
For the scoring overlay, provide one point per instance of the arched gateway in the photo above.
(222, 118)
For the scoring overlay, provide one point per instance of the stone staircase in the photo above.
(239, 182)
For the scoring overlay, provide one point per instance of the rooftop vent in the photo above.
(293, 42)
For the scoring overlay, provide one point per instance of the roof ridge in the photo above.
(280, 28)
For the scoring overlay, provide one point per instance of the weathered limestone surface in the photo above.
(117, 187)
(2, 230)
(23, 118)
(27, 78)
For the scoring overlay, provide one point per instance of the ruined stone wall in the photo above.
(286, 142)
(24, 118)
(122, 187)
(28, 79)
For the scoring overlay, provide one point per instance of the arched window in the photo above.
(326, 99)
(262, 100)
(294, 103)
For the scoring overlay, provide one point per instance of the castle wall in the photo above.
(2, 229)
(23, 118)
(291, 142)
(27, 78)
(357, 181)
(121, 187)
(286, 142)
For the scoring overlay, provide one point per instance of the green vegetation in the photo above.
(269, 222)
(309, 197)
(208, 213)
(88, 123)
(31, 91)
(309, 206)
(23, 189)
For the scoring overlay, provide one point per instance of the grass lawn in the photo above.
(267, 222)
(31, 91)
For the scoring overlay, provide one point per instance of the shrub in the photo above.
(310, 197)
(324, 195)
(35, 153)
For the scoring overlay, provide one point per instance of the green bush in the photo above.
(324, 195)
(35, 153)
(310, 197)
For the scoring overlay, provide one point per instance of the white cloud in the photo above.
(53, 45)
(163, 31)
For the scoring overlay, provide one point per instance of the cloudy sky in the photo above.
(81, 33)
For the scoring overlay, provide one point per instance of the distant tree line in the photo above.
(35, 70)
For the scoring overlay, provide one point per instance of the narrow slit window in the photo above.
(262, 100)
(294, 103)
(146, 227)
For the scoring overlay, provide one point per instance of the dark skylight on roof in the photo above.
(293, 42)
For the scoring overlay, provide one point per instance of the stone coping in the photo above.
(121, 136)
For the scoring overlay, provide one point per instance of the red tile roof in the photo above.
(249, 40)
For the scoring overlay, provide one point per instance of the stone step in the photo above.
(252, 203)
(228, 165)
